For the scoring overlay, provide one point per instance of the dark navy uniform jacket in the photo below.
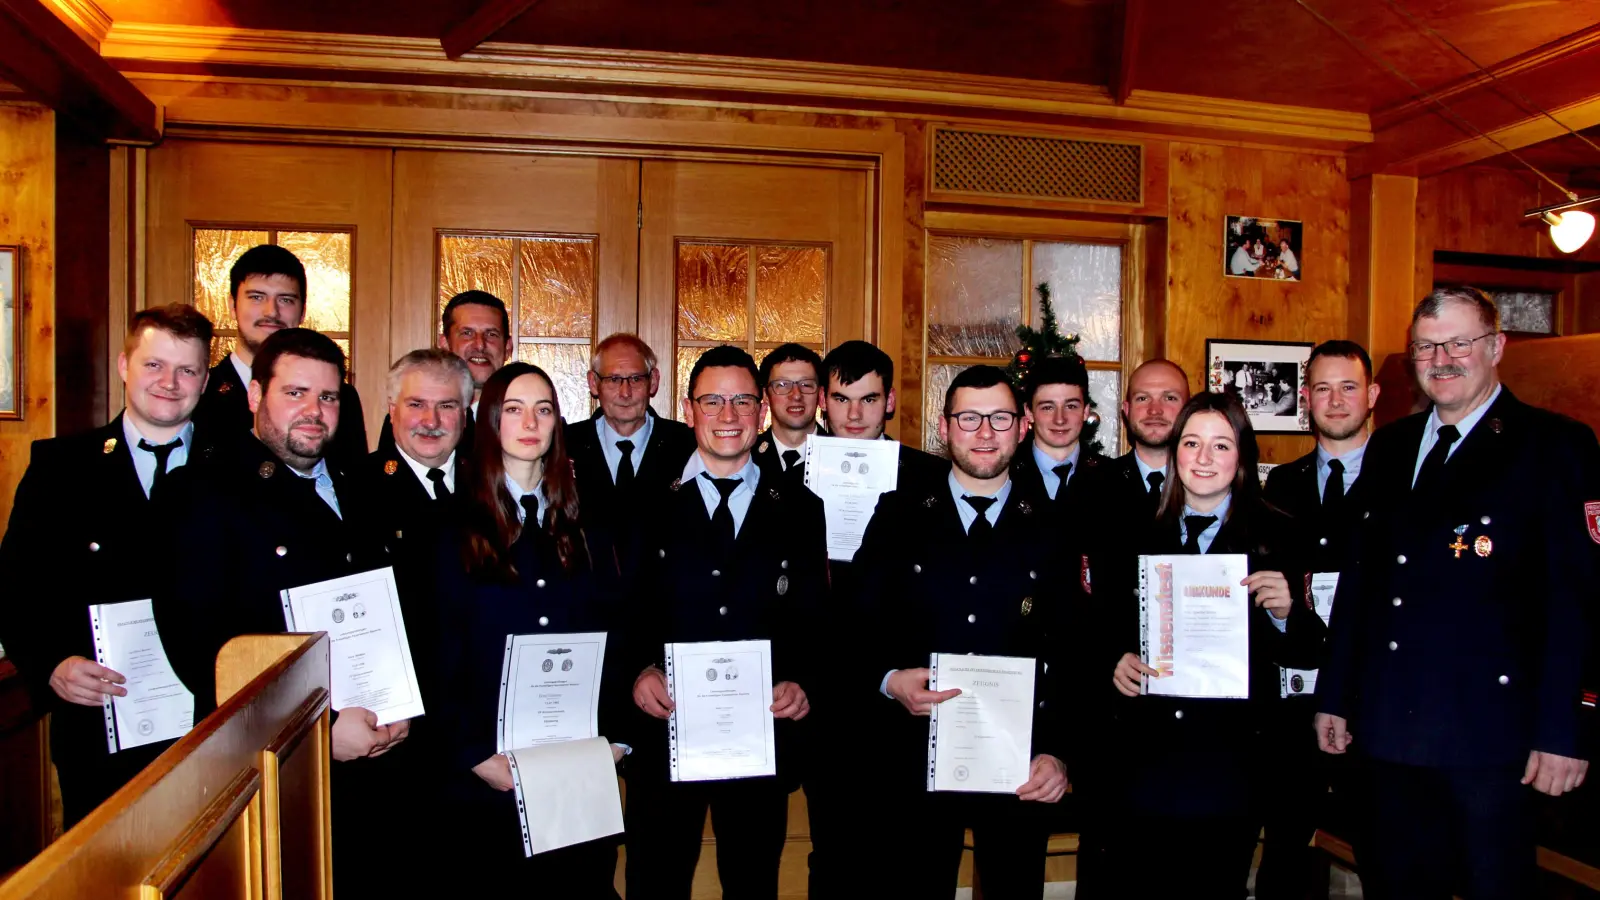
(670, 445)
(1292, 488)
(1080, 483)
(1472, 660)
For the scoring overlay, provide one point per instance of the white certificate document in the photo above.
(1194, 618)
(550, 689)
(158, 707)
(1295, 682)
(849, 475)
(981, 740)
(721, 723)
(369, 656)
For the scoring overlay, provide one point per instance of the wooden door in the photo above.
(555, 237)
(750, 254)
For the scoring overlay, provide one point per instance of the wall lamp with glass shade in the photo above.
(1570, 226)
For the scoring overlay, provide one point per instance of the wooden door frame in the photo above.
(239, 116)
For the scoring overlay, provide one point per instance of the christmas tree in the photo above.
(1044, 342)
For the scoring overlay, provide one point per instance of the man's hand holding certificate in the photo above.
(722, 705)
(849, 475)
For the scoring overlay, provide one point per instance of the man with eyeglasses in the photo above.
(965, 566)
(624, 450)
(728, 554)
(789, 380)
(476, 327)
(1460, 641)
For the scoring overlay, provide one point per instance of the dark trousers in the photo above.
(665, 821)
(1433, 833)
(1008, 838)
(1200, 858)
(1294, 808)
(480, 834)
(837, 788)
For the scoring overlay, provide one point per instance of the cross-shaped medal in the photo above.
(1459, 545)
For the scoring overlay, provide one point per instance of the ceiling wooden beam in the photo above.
(1416, 138)
(492, 16)
(1128, 54)
(52, 65)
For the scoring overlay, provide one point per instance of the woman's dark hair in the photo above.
(492, 523)
(1246, 481)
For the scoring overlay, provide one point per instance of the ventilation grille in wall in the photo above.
(1045, 168)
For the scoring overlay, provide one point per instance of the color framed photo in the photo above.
(1253, 247)
(11, 396)
(1268, 378)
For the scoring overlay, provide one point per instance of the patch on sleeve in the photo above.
(1589, 699)
(1591, 517)
(1083, 574)
(1311, 603)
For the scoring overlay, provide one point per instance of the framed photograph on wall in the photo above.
(1267, 377)
(10, 325)
(1253, 247)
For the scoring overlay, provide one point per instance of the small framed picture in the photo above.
(11, 397)
(1253, 247)
(1267, 377)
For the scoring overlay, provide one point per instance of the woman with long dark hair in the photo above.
(1188, 772)
(523, 562)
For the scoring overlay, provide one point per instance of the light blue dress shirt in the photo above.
(324, 485)
(968, 513)
(144, 462)
(738, 501)
(1430, 434)
(1048, 463)
(1352, 468)
(516, 499)
(609, 438)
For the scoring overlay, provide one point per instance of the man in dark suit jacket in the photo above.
(727, 555)
(624, 451)
(269, 295)
(83, 532)
(1461, 641)
(790, 382)
(1052, 459)
(476, 327)
(272, 515)
(1320, 491)
(966, 566)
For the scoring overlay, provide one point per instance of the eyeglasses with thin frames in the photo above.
(712, 404)
(785, 387)
(1456, 349)
(616, 381)
(1004, 420)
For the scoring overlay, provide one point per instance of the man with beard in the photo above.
(1320, 490)
(275, 515)
(624, 451)
(964, 566)
(790, 381)
(268, 285)
(1461, 641)
(475, 327)
(85, 510)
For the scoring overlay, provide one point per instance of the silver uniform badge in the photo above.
(783, 585)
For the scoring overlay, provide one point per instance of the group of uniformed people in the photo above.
(1452, 680)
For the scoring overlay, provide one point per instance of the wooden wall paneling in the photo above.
(1383, 247)
(28, 199)
(1209, 183)
(1154, 345)
(194, 182)
(83, 279)
(902, 253)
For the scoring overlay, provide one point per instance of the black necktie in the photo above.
(1062, 472)
(625, 467)
(1155, 479)
(530, 508)
(980, 526)
(1195, 525)
(1431, 477)
(440, 492)
(1333, 491)
(791, 458)
(162, 452)
(722, 518)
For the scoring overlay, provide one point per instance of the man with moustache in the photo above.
(268, 287)
(728, 554)
(84, 511)
(1051, 460)
(1320, 490)
(964, 566)
(273, 515)
(790, 382)
(624, 451)
(476, 327)
(1461, 641)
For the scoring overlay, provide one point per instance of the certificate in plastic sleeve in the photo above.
(1194, 625)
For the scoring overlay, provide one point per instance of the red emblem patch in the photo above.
(1083, 574)
(1591, 517)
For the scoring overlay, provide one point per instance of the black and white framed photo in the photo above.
(1253, 247)
(1267, 377)
(10, 327)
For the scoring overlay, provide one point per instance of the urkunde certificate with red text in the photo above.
(1194, 625)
